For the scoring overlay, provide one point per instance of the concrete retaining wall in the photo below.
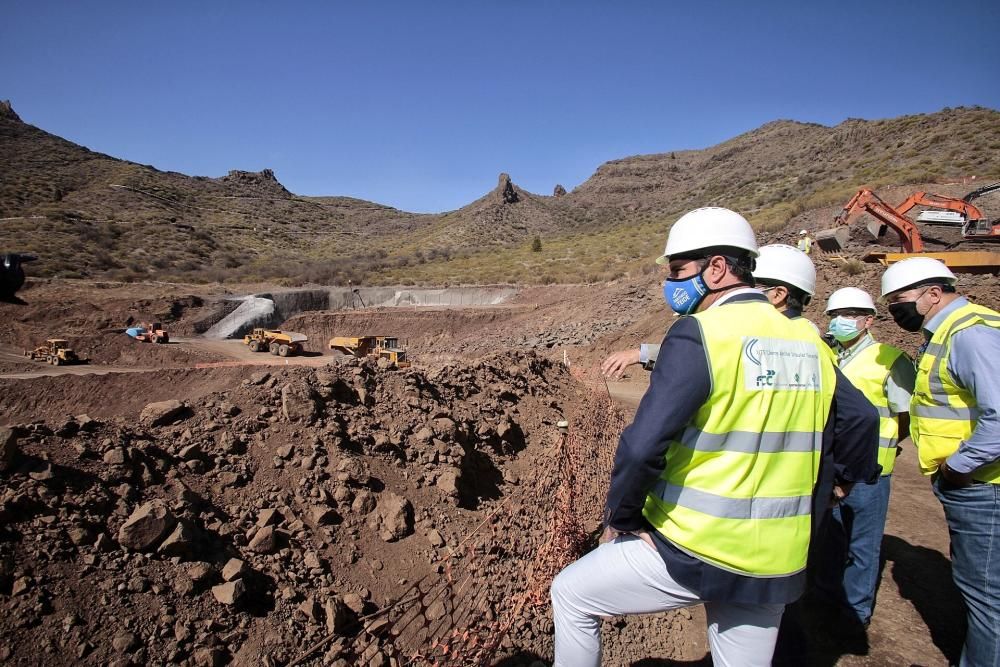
(270, 309)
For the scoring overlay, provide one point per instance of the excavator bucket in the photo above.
(833, 240)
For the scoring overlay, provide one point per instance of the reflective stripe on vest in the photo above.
(736, 490)
(868, 370)
(942, 413)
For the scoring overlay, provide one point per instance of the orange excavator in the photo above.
(974, 223)
(866, 201)
(975, 226)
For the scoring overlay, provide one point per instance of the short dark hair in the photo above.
(945, 286)
(740, 262)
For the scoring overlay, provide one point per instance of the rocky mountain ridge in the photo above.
(92, 215)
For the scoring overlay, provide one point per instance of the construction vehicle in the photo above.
(380, 347)
(12, 274)
(275, 341)
(951, 210)
(55, 351)
(866, 201)
(975, 226)
(149, 332)
(966, 259)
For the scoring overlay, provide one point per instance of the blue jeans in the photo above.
(973, 516)
(852, 544)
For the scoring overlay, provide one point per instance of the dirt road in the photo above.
(228, 352)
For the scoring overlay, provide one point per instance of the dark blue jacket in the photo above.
(679, 385)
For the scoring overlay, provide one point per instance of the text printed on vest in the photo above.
(775, 364)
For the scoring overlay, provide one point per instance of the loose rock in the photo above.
(146, 526)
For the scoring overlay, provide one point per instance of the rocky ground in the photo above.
(239, 513)
(246, 523)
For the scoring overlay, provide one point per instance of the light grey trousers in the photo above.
(627, 576)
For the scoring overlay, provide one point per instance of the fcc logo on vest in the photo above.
(773, 363)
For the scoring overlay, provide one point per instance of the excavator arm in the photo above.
(968, 211)
(866, 201)
(979, 192)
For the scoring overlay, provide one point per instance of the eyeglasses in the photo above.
(849, 313)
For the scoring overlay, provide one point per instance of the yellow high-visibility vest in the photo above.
(868, 370)
(943, 414)
(736, 491)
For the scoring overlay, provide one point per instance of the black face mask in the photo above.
(906, 316)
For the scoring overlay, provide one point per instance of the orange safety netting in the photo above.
(491, 601)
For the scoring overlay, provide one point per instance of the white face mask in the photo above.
(844, 329)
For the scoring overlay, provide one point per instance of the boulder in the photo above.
(180, 542)
(116, 456)
(8, 448)
(321, 515)
(393, 517)
(336, 615)
(298, 402)
(264, 541)
(447, 481)
(230, 592)
(310, 609)
(161, 413)
(364, 502)
(234, 569)
(444, 428)
(125, 642)
(201, 573)
(268, 517)
(147, 526)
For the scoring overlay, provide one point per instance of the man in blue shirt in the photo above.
(955, 424)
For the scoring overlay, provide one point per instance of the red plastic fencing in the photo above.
(491, 602)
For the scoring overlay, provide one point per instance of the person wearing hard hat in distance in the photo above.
(711, 491)
(955, 424)
(805, 243)
(848, 573)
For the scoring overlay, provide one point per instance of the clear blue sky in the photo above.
(420, 104)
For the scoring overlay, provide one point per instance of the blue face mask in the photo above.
(844, 328)
(684, 295)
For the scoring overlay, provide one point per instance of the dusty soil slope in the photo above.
(333, 449)
(334, 488)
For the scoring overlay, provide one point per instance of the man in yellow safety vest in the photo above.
(850, 549)
(710, 498)
(955, 424)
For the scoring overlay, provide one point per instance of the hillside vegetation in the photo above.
(91, 215)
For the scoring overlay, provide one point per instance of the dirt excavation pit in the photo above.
(246, 523)
(243, 514)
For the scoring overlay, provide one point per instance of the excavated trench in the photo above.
(235, 317)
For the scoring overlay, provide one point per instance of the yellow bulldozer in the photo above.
(380, 347)
(55, 351)
(275, 341)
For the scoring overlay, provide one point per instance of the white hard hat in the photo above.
(803, 232)
(914, 270)
(850, 297)
(709, 227)
(784, 264)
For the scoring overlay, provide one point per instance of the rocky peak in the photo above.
(7, 111)
(263, 180)
(505, 189)
(559, 190)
